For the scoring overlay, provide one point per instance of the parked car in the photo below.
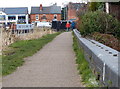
(44, 24)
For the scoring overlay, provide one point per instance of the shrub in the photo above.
(99, 21)
(93, 6)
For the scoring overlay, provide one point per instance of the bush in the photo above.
(99, 21)
(93, 6)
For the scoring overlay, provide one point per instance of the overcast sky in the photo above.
(29, 3)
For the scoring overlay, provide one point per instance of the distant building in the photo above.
(48, 13)
(72, 9)
(64, 13)
(14, 15)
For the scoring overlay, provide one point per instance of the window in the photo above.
(2, 17)
(21, 17)
(37, 17)
(11, 17)
(44, 17)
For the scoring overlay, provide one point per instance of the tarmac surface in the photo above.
(53, 66)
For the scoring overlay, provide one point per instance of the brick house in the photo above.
(72, 9)
(48, 14)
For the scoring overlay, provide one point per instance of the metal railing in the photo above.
(103, 60)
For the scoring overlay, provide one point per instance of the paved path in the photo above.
(52, 66)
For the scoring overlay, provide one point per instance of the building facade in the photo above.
(50, 13)
(71, 10)
(14, 15)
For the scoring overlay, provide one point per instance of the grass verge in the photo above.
(88, 78)
(0, 66)
(13, 57)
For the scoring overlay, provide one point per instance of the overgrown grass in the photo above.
(88, 78)
(13, 57)
(0, 65)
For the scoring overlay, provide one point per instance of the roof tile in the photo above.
(46, 10)
(18, 10)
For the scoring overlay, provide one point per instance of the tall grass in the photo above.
(83, 66)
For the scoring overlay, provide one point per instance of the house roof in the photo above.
(46, 10)
(18, 10)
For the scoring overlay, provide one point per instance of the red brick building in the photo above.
(48, 14)
(72, 9)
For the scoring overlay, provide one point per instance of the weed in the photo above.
(83, 66)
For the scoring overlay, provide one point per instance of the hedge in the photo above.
(99, 21)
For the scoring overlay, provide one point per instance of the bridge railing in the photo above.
(103, 60)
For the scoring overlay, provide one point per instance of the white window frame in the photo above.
(37, 17)
(44, 14)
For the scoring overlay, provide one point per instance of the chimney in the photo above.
(41, 8)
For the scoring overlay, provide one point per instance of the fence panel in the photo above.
(24, 26)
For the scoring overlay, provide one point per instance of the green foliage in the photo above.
(99, 21)
(93, 6)
(83, 66)
(0, 65)
(21, 49)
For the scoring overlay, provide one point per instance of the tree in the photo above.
(93, 6)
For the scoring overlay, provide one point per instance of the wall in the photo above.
(49, 17)
(75, 9)
(8, 37)
(71, 12)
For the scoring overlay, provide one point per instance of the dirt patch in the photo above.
(107, 39)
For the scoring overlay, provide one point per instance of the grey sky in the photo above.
(29, 3)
